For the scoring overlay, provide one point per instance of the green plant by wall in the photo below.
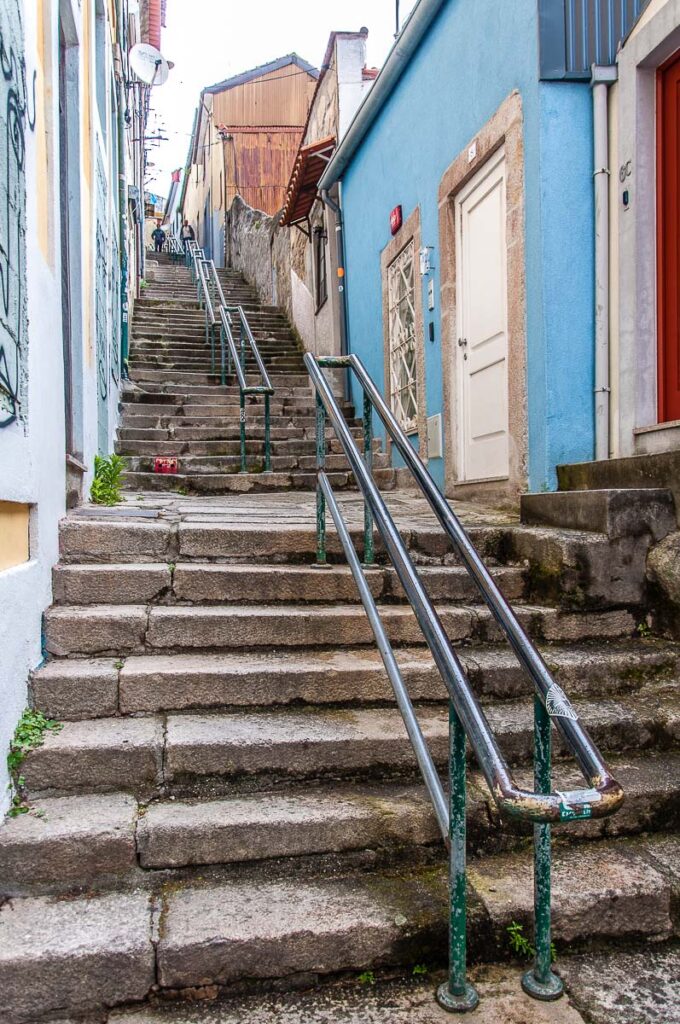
(29, 734)
(106, 487)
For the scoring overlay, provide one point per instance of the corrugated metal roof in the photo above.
(575, 34)
(263, 69)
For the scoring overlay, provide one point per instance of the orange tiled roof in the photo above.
(310, 163)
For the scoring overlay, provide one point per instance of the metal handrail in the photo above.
(210, 296)
(247, 336)
(466, 716)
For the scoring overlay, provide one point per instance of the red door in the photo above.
(668, 234)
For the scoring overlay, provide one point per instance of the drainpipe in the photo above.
(342, 285)
(602, 78)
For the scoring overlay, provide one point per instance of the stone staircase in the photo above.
(175, 406)
(231, 807)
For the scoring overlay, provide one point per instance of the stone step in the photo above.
(105, 839)
(229, 430)
(202, 582)
(93, 688)
(638, 986)
(85, 955)
(98, 629)
(193, 753)
(251, 482)
(194, 462)
(143, 376)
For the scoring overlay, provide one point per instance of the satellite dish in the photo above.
(149, 64)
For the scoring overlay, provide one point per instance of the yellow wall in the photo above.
(14, 544)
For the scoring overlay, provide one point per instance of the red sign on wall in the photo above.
(395, 219)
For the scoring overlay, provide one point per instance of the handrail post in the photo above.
(541, 982)
(267, 437)
(457, 995)
(368, 459)
(223, 374)
(320, 496)
(242, 430)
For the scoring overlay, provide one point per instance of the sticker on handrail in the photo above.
(557, 704)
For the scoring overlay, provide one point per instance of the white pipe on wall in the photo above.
(602, 78)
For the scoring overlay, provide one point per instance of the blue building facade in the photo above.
(469, 95)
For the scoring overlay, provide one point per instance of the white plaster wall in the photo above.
(303, 312)
(655, 38)
(32, 455)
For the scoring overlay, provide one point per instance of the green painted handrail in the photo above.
(467, 719)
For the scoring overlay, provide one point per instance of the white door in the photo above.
(482, 350)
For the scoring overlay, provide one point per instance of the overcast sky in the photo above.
(209, 40)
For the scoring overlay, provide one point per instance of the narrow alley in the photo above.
(340, 676)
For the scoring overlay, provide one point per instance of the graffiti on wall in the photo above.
(17, 114)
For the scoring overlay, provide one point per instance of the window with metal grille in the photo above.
(402, 338)
(320, 272)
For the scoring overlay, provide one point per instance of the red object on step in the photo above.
(165, 465)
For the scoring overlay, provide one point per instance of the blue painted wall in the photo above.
(475, 54)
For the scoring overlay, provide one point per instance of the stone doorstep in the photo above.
(615, 513)
(149, 754)
(92, 688)
(82, 954)
(68, 842)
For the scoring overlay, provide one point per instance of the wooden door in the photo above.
(668, 236)
(482, 325)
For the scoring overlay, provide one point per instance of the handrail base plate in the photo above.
(546, 991)
(463, 1003)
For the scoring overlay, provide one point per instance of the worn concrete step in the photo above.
(129, 629)
(227, 430)
(106, 839)
(253, 482)
(201, 582)
(182, 445)
(185, 753)
(100, 687)
(192, 462)
(144, 376)
(125, 539)
(638, 986)
(87, 954)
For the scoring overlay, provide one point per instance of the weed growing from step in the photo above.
(420, 970)
(106, 488)
(29, 734)
(520, 945)
(366, 978)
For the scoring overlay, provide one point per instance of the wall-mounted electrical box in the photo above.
(435, 443)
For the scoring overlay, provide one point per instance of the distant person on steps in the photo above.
(158, 238)
(186, 234)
